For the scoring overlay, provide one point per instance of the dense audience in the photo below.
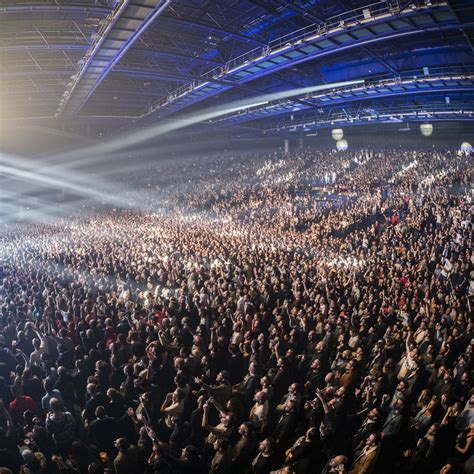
(275, 313)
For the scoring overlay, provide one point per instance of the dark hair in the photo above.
(100, 412)
(181, 380)
(271, 444)
(180, 393)
(223, 444)
(225, 374)
(250, 427)
(377, 438)
(192, 453)
(312, 434)
(123, 443)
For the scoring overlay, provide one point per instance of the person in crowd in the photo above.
(61, 426)
(308, 312)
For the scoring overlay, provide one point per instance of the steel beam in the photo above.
(103, 11)
(158, 75)
(13, 48)
(151, 75)
(65, 9)
(85, 47)
(176, 56)
(128, 20)
(212, 29)
(459, 115)
(391, 88)
(315, 42)
(300, 11)
(146, 75)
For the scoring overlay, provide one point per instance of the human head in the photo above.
(55, 405)
(100, 412)
(266, 446)
(122, 444)
(338, 460)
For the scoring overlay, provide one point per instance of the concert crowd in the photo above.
(297, 313)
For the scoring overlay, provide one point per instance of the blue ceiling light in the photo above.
(325, 39)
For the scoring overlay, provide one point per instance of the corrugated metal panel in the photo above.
(123, 27)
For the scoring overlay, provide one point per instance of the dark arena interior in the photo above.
(236, 236)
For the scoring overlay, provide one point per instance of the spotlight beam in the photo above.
(137, 137)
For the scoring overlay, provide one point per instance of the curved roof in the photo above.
(109, 61)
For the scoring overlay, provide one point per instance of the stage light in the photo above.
(342, 145)
(426, 129)
(466, 148)
(337, 133)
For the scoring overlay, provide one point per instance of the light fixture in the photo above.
(337, 133)
(426, 129)
(342, 145)
(466, 148)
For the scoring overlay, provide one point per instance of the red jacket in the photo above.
(19, 406)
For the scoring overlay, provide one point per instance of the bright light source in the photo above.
(426, 129)
(342, 145)
(258, 104)
(337, 133)
(466, 148)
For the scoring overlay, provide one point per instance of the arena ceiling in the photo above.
(116, 64)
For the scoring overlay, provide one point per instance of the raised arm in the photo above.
(23, 356)
(5, 413)
(218, 406)
(168, 407)
(321, 399)
(467, 447)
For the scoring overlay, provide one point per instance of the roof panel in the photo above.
(194, 36)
